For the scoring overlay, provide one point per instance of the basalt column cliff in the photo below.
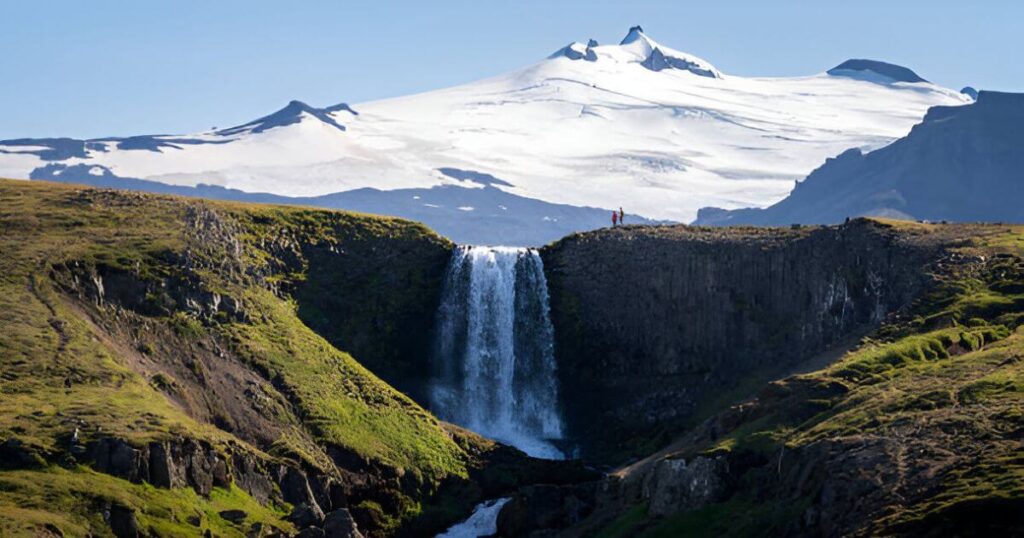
(657, 327)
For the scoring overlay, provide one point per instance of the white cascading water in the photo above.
(494, 357)
(483, 521)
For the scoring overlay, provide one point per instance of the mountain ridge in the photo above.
(639, 125)
(958, 164)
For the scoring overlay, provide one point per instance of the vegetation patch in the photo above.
(140, 317)
(74, 501)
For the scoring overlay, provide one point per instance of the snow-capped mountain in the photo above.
(639, 125)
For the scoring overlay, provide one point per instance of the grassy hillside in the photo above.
(916, 431)
(152, 319)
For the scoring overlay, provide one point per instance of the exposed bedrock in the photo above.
(658, 327)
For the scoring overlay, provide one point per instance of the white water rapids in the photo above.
(494, 356)
(483, 522)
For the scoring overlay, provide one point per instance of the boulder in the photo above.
(15, 454)
(123, 522)
(339, 524)
(306, 515)
(675, 484)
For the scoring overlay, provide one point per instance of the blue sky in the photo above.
(98, 68)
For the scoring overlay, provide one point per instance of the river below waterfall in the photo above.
(494, 358)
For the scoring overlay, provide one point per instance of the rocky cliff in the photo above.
(658, 326)
(913, 431)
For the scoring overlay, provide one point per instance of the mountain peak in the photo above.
(635, 33)
(872, 69)
(639, 48)
(657, 57)
(290, 114)
(970, 92)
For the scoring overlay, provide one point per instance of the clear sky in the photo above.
(101, 68)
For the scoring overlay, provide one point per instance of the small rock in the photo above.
(234, 516)
(257, 530)
(311, 532)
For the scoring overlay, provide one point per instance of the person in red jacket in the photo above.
(615, 218)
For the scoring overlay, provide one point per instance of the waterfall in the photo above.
(483, 521)
(494, 358)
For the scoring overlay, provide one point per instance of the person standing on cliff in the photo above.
(615, 219)
(622, 216)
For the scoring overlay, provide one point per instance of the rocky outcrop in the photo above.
(655, 326)
(666, 485)
(197, 465)
(546, 508)
(108, 285)
(675, 483)
(193, 464)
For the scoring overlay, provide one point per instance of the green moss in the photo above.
(1005, 383)
(163, 382)
(341, 401)
(186, 326)
(626, 524)
(73, 500)
(736, 517)
(877, 362)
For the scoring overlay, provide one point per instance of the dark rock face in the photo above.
(249, 475)
(295, 488)
(104, 285)
(652, 323)
(339, 524)
(377, 300)
(184, 463)
(896, 73)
